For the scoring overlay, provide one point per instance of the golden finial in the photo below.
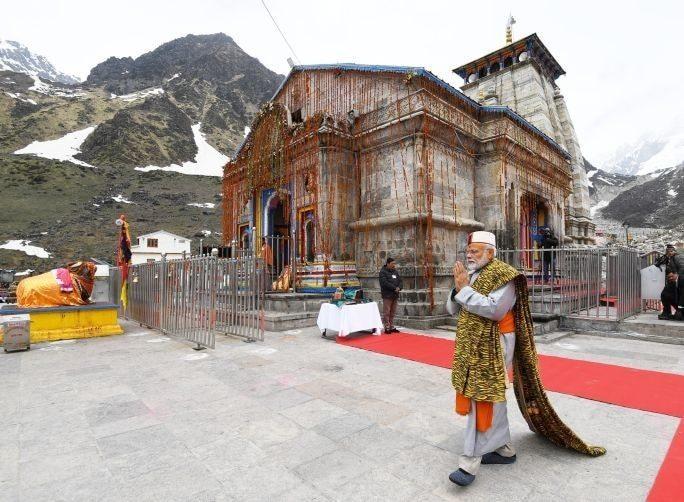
(509, 29)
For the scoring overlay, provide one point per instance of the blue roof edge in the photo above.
(418, 70)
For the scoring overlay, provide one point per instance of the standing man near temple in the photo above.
(494, 333)
(390, 286)
(671, 296)
(548, 243)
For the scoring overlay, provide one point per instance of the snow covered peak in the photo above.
(18, 58)
(648, 155)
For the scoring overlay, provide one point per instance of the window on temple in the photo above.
(482, 73)
(508, 62)
(494, 67)
(297, 116)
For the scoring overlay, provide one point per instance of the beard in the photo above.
(476, 265)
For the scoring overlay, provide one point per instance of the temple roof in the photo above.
(531, 43)
(415, 70)
(422, 72)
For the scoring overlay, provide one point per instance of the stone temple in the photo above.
(353, 163)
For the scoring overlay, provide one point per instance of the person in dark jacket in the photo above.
(548, 242)
(672, 295)
(390, 286)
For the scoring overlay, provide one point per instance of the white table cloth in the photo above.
(349, 318)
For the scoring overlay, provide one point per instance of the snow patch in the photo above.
(24, 247)
(138, 95)
(7, 45)
(672, 154)
(672, 193)
(43, 88)
(23, 273)
(247, 130)
(18, 96)
(597, 207)
(206, 233)
(64, 148)
(608, 182)
(39, 85)
(208, 161)
(206, 205)
(591, 173)
(121, 198)
(175, 75)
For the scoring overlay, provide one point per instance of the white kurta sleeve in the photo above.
(452, 306)
(494, 306)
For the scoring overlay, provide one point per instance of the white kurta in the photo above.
(498, 437)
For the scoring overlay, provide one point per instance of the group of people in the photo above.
(672, 296)
(494, 334)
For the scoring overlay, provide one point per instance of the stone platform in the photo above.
(644, 326)
(69, 322)
(286, 311)
(294, 418)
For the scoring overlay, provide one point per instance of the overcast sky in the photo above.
(623, 59)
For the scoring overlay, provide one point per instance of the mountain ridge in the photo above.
(18, 58)
(184, 103)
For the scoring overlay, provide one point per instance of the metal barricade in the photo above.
(599, 283)
(194, 298)
(240, 297)
(275, 251)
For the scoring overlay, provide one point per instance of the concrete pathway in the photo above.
(144, 417)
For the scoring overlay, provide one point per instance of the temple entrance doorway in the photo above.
(534, 215)
(275, 245)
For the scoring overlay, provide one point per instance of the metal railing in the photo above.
(195, 298)
(275, 252)
(277, 257)
(598, 283)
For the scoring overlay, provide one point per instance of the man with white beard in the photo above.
(494, 330)
(490, 446)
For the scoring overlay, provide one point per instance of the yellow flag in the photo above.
(124, 295)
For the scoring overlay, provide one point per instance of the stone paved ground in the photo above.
(295, 418)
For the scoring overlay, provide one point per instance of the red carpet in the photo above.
(646, 390)
(668, 485)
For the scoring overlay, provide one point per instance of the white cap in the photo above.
(482, 237)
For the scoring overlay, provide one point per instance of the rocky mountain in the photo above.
(209, 77)
(18, 58)
(657, 202)
(604, 186)
(152, 132)
(647, 155)
(68, 210)
(74, 157)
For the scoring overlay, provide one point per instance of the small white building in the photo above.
(150, 247)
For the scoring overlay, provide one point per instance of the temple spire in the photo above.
(509, 29)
